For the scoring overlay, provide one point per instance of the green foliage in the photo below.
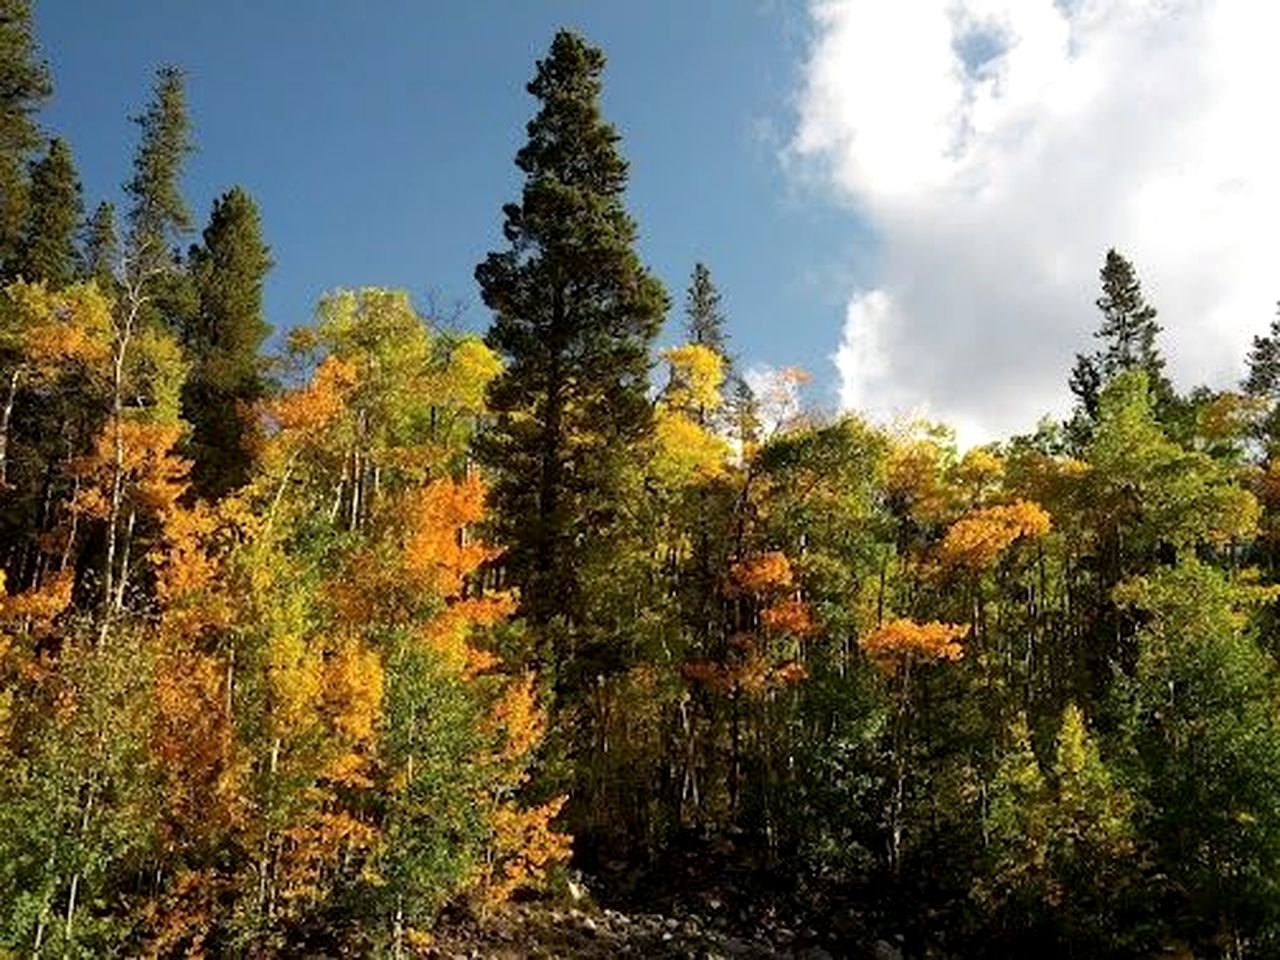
(1206, 742)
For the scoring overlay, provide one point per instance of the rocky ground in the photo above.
(560, 930)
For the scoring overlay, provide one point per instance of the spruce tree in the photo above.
(158, 214)
(704, 318)
(574, 315)
(1129, 327)
(1263, 378)
(24, 86)
(48, 249)
(1128, 331)
(100, 246)
(223, 339)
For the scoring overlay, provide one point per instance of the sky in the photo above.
(910, 200)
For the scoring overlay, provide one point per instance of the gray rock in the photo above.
(884, 950)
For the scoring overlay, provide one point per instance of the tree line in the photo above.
(296, 650)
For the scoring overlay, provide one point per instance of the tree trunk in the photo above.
(6, 417)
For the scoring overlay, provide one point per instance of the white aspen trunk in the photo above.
(123, 579)
(6, 416)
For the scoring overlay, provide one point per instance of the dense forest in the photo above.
(299, 651)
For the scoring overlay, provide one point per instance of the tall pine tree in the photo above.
(575, 313)
(158, 214)
(704, 318)
(24, 86)
(223, 338)
(1128, 332)
(48, 249)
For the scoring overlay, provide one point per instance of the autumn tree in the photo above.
(574, 314)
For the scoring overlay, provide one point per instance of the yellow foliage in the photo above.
(59, 328)
(979, 471)
(472, 365)
(892, 644)
(295, 674)
(975, 541)
(914, 475)
(686, 452)
(696, 376)
(353, 683)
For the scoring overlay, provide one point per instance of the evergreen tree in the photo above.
(223, 339)
(1128, 331)
(1129, 326)
(100, 246)
(24, 86)
(705, 321)
(575, 313)
(48, 250)
(1263, 379)
(158, 214)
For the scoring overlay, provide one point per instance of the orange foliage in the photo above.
(39, 605)
(518, 719)
(154, 476)
(752, 675)
(447, 633)
(975, 541)
(893, 643)
(524, 845)
(353, 684)
(762, 573)
(193, 742)
(313, 846)
(788, 616)
(438, 553)
(314, 406)
(189, 571)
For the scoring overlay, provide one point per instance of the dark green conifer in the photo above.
(1263, 377)
(158, 214)
(48, 249)
(222, 339)
(24, 86)
(575, 313)
(100, 246)
(704, 318)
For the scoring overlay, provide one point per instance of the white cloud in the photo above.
(999, 147)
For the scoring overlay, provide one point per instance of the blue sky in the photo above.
(378, 140)
(921, 191)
